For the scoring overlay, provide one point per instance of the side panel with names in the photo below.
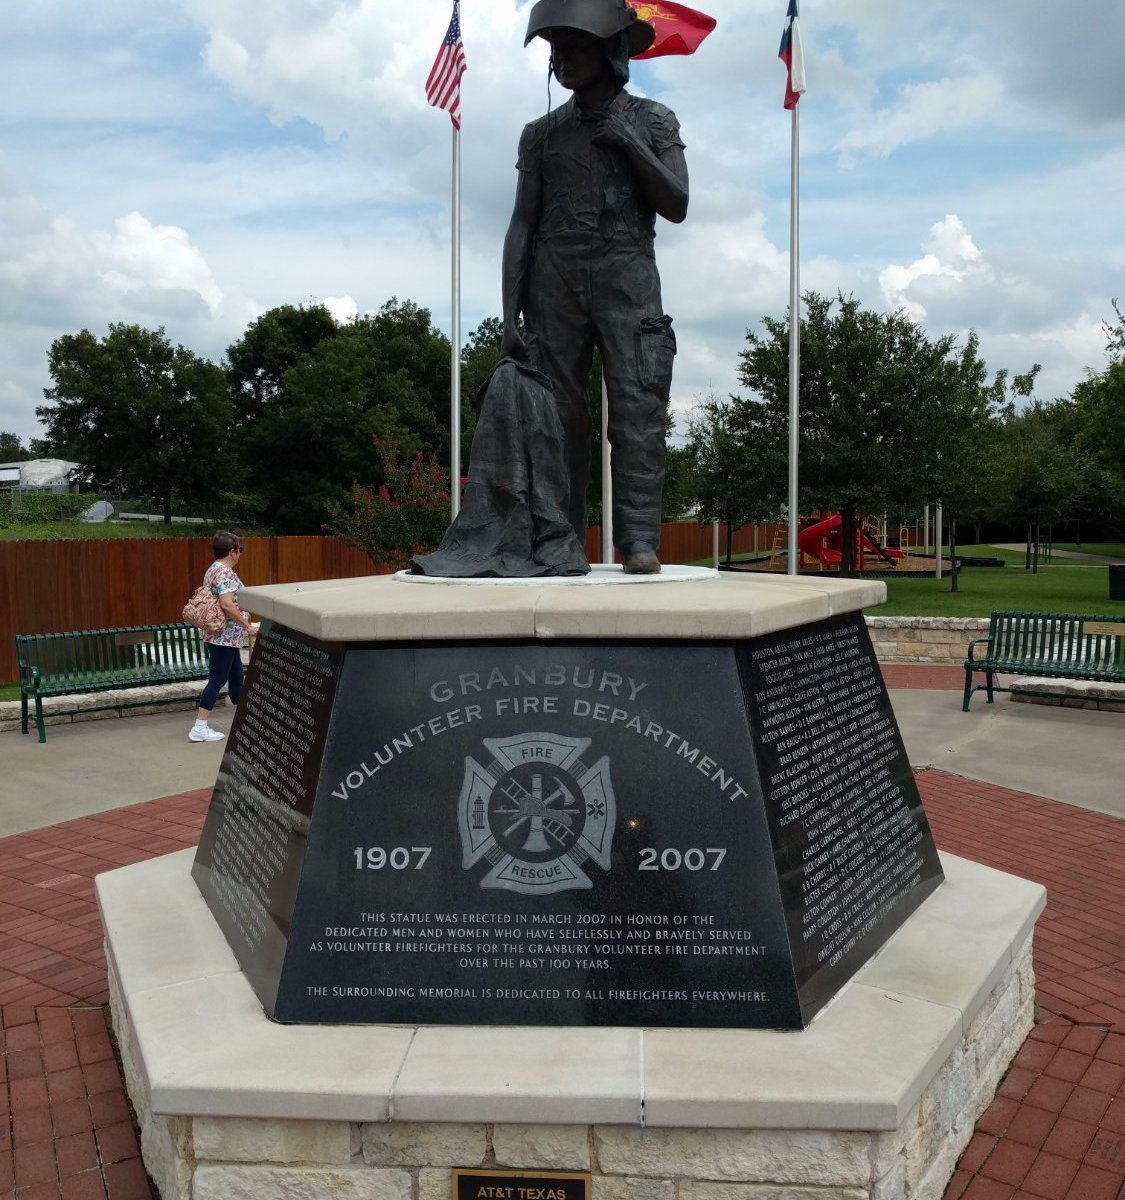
(252, 848)
(854, 851)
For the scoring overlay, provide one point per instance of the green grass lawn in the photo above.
(9, 691)
(59, 531)
(1058, 586)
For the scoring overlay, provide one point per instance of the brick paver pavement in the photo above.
(66, 1132)
(1056, 1130)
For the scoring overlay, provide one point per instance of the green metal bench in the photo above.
(103, 660)
(1052, 645)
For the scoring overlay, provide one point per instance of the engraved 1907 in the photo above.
(398, 858)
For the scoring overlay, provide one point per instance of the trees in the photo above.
(738, 471)
(386, 374)
(1115, 334)
(1095, 427)
(1036, 482)
(284, 429)
(276, 341)
(887, 415)
(140, 415)
(679, 500)
(478, 356)
(1065, 460)
(12, 448)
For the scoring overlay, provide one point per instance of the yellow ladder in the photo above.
(780, 542)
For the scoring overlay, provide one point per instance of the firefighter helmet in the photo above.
(602, 18)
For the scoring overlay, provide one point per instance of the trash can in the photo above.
(1117, 581)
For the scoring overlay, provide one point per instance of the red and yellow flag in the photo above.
(679, 29)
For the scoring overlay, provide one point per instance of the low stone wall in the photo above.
(875, 1100)
(925, 639)
(122, 703)
(98, 706)
(946, 640)
(896, 640)
(1069, 693)
(239, 1158)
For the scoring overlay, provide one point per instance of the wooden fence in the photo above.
(47, 587)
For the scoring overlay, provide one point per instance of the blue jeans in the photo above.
(224, 665)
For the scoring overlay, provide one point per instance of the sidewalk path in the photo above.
(1056, 1131)
(1077, 555)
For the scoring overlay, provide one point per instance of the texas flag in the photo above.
(679, 29)
(793, 57)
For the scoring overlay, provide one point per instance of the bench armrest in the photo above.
(30, 678)
(970, 657)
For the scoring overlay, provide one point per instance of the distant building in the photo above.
(38, 474)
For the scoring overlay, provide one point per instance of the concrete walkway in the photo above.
(1073, 755)
(92, 766)
(84, 803)
(1076, 555)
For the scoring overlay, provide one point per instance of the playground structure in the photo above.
(820, 544)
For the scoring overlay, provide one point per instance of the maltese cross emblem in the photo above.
(537, 812)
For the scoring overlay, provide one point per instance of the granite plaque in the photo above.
(536, 833)
(252, 848)
(852, 846)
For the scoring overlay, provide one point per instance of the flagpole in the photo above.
(455, 339)
(607, 480)
(794, 343)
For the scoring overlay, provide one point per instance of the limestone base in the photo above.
(1069, 693)
(874, 1101)
(102, 706)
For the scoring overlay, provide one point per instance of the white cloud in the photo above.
(1057, 56)
(924, 109)
(57, 277)
(353, 67)
(342, 308)
(138, 254)
(1013, 301)
(950, 256)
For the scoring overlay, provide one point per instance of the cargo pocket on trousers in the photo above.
(656, 348)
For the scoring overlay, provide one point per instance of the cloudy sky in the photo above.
(192, 163)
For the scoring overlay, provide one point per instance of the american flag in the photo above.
(443, 84)
(793, 57)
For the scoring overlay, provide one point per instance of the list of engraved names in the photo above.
(268, 774)
(835, 783)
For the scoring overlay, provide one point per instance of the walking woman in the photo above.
(224, 649)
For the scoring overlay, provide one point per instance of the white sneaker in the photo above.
(206, 734)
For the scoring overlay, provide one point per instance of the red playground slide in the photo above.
(815, 541)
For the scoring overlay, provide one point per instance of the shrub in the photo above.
(404, 516)
(39, 508)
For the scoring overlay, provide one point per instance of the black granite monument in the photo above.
(698, 834)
